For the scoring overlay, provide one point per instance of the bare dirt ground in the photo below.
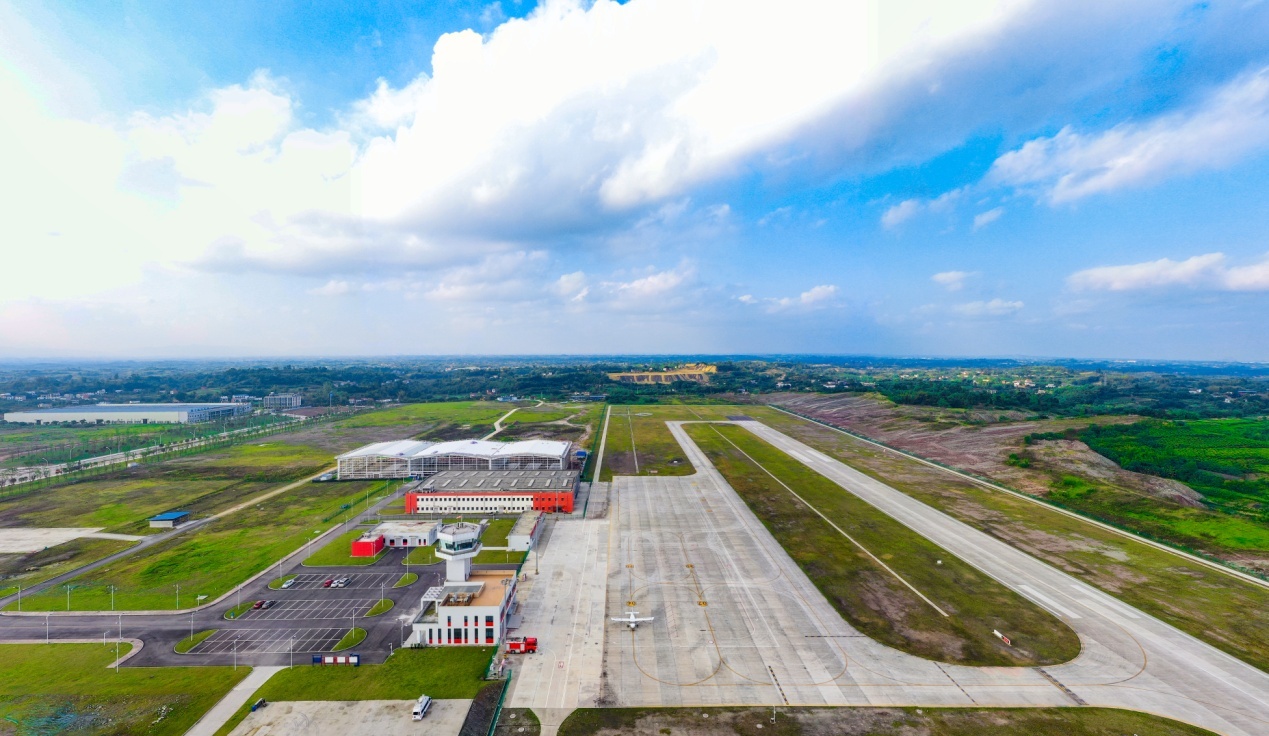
(978, 442)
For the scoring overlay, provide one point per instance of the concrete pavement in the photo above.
(220, 713)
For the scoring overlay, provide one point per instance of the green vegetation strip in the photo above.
(207, 561)
(65, 688)
(861, 587)
(441, 672)
(1230, 614)
(277, 584)
(422, 556)
(498, 556)
(410, 578)
(869, 721)
(351, 639)
(238, 610)
(338, 552)
(188, 643)
(639, 443)
(381, 607)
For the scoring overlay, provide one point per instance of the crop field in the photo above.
(441, 672)
(210, 560)
(869, 722)
(869, 597)
(450, 412)
(66, 688)
(1223, 611)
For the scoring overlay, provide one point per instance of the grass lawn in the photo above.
(208, 561)
(350, 640)
(410, 578)
(498, 556)
(27, 570)
(639, 443)
(66, 688)
(276, 584)
(422, 556)
(186, 644)
(871, 721)
(339, 552)
(238, 610)
(381, 607)
(496, 533)
(441, 672)
(1223, 611)
(868, 596)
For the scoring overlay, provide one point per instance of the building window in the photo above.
(489, 635)
(488, 620)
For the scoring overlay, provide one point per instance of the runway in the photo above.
(737, 622)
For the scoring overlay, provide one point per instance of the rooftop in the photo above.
(483, 588)
(524, 525)
(404, 527)
(169, 516)
(470, 448)
(123, 408)
(500, 480)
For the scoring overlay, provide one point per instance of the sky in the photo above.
(897, 177)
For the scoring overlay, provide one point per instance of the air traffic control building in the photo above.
(414, 459)
(130, 414)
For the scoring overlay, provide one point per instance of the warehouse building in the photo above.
(130, 414)
(493, 492)
(414, 459)
(283, 401)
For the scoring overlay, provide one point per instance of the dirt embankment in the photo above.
(981, 442)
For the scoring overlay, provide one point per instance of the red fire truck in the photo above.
(522, 644)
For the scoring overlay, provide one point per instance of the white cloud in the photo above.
(331, 288)
(1208, 271)
(817, 297)
(952, 280)
(984, 219)
(1231, 124)
(901, 213)
(994, 308)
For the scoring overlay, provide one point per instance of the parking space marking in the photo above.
(307, 609)
(271, 641)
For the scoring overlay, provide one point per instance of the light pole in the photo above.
(112, 597)
(118, 643)
(19, 597)
(68, 596)
(191, 628)
(46, 628)
(291, 648)
(178, 596)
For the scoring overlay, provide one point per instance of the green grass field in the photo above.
(441, 672)
(868, 596)
(66, 689)
(422, 556)
(639, 443)
(1223, 611)
(872, 722)
(207, 561)
(497, 556)
(338, 551)
(453, 412)
(29, 569)
(496, 533)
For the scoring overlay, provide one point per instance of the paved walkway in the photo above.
(219, 715)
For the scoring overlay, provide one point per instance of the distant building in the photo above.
(283, 401)
(168, 519)
(130, 414)
(493, 492)
(696, 372)
(414, 459)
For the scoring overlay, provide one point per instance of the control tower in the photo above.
(456, 544)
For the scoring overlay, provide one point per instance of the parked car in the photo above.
(267, 605)
(288, 583)
(421, 707)
(328, 583)
(256, 605)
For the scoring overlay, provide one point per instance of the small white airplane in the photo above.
(631, 619)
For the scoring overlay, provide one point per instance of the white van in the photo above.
(421, 707)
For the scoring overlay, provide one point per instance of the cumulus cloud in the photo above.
(994, 308)
(816, 297)
(910, 208)
(984, 219)
(331, 288)
(1208, 271)
(952, 280)
(1227, 126)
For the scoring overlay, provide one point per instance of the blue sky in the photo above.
(979, 177)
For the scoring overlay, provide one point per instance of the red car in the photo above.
(328, 583)
(256, 605)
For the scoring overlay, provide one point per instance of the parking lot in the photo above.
(271, 641)
(286, 610)
(357, 581)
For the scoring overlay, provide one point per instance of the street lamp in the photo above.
(178, 596)
(112, 597)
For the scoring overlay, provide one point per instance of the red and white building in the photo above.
(493, 492)
(472, 607)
